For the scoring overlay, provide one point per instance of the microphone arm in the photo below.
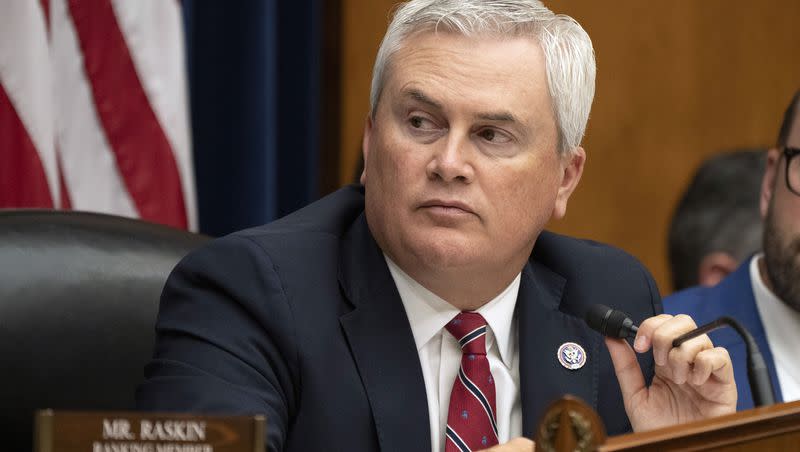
(757, 372)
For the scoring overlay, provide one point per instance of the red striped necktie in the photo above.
(471, 419)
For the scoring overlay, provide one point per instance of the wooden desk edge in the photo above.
(724, 430)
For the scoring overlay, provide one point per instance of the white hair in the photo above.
(569, 56)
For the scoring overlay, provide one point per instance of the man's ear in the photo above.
(768, 182)
(365, 147)
(573, 169)
(714, 267)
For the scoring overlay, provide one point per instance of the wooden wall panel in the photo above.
(363, 25)
(677, 82)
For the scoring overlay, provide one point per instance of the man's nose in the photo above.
(452, 161)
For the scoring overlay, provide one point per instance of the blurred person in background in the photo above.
(717, 223)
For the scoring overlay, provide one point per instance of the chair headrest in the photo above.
(78, 300)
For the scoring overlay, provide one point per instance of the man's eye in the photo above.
(494, 136)
(418, 122)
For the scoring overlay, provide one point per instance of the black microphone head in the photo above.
(596, 317)
(609, 322)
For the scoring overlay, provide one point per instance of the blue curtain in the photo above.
(254, 77)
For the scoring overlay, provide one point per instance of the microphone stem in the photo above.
(703, 329)
(757, 372)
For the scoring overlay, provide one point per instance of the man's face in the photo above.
(461, 164)
(781, 208)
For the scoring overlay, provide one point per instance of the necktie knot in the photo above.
(469, 329)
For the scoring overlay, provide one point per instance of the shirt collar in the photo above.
(762, 293)
(778, 318)
(428, 313)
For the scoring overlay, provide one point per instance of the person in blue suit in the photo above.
(427, 309)
(763, 294)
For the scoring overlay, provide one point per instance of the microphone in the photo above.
(612, 323)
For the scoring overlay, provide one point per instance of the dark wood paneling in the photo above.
(363, 26)
(331, 124)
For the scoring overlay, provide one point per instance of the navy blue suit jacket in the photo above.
(732, 297)
(300, 320)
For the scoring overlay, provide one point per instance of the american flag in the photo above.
(94, 109)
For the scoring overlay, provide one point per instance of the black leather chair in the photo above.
(78, 301)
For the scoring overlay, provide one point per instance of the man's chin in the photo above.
(453, 252)
(785, 278)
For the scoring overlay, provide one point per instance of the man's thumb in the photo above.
(629, 374)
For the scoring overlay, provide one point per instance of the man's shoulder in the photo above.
(308, 236)
(686, 301)
(594, 272)
(707, 303)
(566, 254)
(331, 215)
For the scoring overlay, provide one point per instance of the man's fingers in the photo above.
(683, 358)
(629, 374)
(644, 336)
(666, 332)
(714, 361)
(515, 445)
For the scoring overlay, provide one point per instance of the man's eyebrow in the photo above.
(419, 96)
(500, 116)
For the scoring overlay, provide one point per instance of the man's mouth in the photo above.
(453, 207)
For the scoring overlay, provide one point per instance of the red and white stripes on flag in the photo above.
(93, 108)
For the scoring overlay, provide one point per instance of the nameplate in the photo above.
(84, 431)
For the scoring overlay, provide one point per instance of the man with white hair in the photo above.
(428, 309)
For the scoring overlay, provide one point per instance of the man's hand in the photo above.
(515, 445)
(693, 381)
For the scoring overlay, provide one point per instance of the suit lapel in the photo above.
(382, 344)
(542, 330)
(738, 298)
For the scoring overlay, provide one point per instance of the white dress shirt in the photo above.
(440, 355)
(782, 325)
